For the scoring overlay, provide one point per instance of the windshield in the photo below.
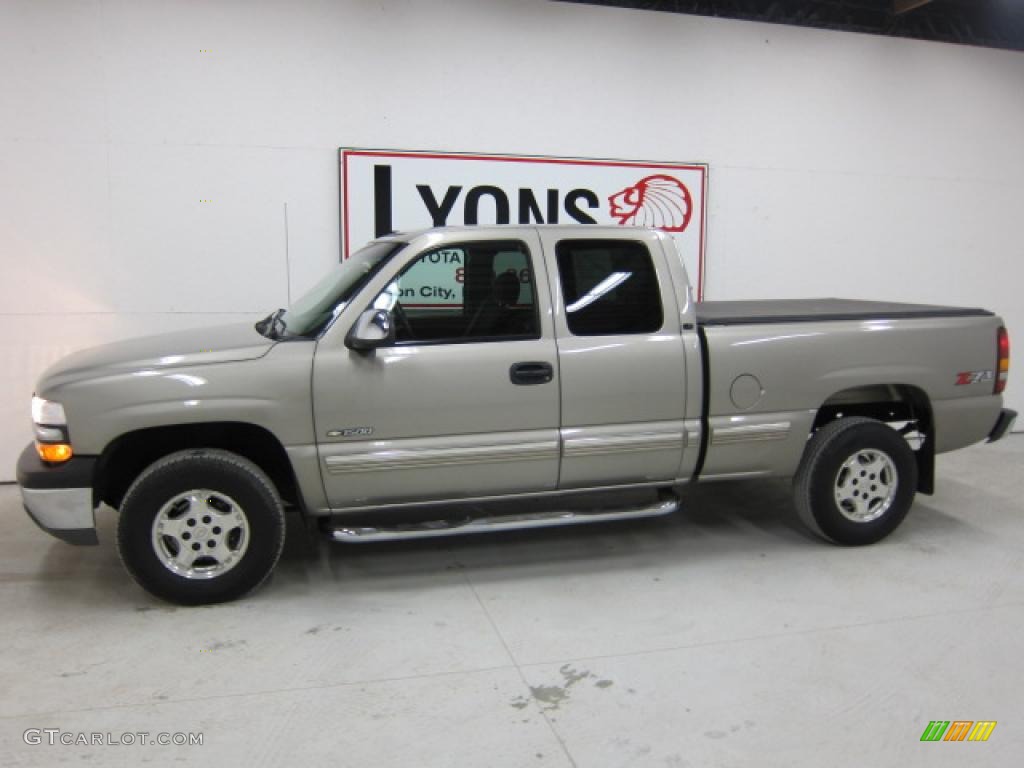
(311, 313)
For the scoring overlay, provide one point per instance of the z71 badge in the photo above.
(972, 377)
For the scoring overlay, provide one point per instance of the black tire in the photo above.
(227, 476)
(818, 480)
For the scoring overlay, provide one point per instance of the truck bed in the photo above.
(805, 310)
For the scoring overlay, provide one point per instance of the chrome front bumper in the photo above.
(59, 498)
(66, 513)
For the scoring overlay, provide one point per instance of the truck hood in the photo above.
(200, 346)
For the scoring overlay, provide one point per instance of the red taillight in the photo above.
(1003, 361)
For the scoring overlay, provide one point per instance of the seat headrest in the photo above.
(507, 287)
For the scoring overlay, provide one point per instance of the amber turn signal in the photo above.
(54, 452)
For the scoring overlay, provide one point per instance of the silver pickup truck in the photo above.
(436, 377)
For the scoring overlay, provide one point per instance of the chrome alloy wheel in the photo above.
(866, 485)
(200, 534)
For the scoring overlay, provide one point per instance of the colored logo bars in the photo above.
(958, 730)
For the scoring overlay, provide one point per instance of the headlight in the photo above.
(51, 427)
(47, 412)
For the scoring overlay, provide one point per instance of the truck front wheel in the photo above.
(201, 526)
(856, 481)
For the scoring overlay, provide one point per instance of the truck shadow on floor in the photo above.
(734, 520)
(737, 521)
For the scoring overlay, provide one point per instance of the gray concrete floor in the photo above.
(720, 636)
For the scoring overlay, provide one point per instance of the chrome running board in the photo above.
(431, 528)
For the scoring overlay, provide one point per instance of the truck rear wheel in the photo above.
(201, 526)
(856, 481)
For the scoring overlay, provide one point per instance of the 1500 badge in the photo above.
(972, 377)
(351, 432)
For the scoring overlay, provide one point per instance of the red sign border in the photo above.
(346, 152)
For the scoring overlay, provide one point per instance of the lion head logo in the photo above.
(655, 201)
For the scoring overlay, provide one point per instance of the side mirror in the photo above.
(373, 329)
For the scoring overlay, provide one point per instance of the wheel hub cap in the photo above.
(200, 534)
(865, 485)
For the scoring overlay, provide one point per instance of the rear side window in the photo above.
(609, 286)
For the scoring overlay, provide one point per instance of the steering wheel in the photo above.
(402, 320)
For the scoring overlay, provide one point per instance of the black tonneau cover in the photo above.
(805, 310)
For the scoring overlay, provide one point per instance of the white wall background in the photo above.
(841, 164)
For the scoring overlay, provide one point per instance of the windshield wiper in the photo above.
(272, 326)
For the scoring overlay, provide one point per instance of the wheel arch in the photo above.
(128, 455)
(889, 403)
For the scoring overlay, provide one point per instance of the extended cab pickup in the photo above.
(435, 377)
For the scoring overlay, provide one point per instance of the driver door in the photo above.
(465, 402)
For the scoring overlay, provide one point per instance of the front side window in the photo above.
(469, 292)
(609, 287)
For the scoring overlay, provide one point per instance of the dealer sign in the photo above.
(393, 190)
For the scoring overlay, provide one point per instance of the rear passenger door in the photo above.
(621, 360)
